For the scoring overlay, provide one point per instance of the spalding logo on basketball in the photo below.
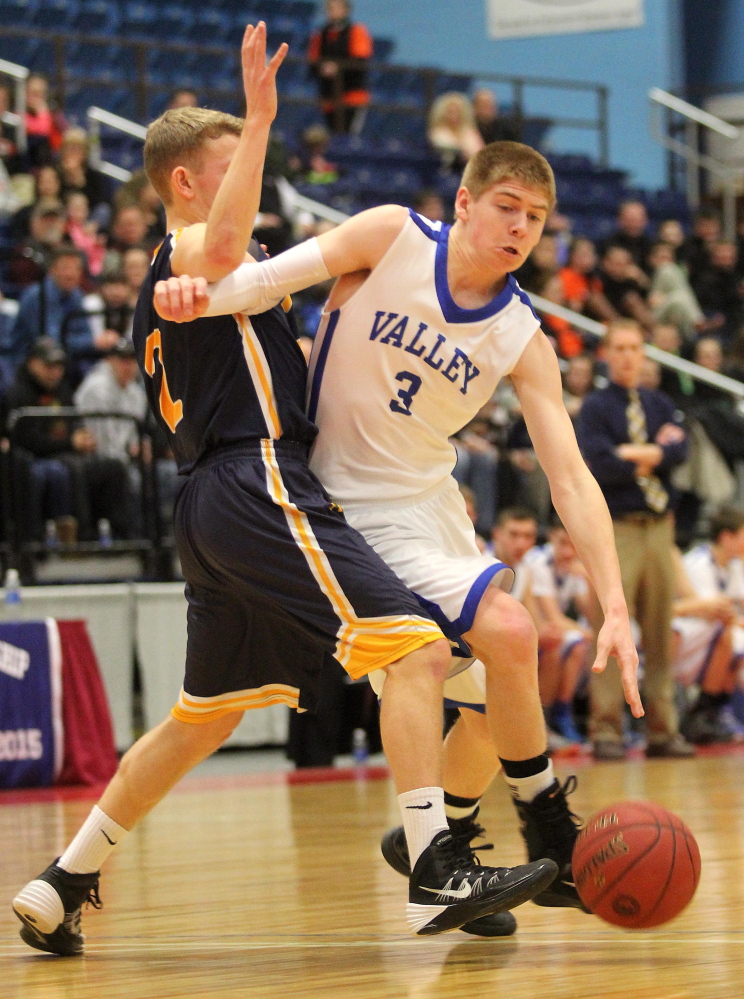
(636, 865)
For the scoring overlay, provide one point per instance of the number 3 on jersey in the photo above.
(405, 394)
(171, 410)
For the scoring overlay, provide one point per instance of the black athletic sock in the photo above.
(456, 807)
(528, 778)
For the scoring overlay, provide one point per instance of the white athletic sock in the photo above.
(94, 842)
(423, 817)
(527, 788)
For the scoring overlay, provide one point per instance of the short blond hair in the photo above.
(176, 138)
(621, 325)
(500, 161)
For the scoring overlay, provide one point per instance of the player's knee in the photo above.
(511, 627)
(222, 728)
(432, 659)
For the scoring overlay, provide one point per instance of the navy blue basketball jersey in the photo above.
(214, 382)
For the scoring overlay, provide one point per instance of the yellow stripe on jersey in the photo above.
(260, 373)
(200, 710)
(362, 644)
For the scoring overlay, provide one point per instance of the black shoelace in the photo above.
(464, 851)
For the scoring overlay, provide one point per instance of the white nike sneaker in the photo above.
(446, 889)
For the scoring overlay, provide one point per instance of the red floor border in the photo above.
(310, 775)
(196, 785)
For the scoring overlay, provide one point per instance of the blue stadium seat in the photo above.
(405, 88)
(97, 17)
(79, 97)
(138, 20)
(17, 13)
(55, 15)
(383, 49)
(173, 22)
(111, 62)
(214, 70)
(18, 50)
(41, 60)
(173, 69)
(293, 119)
(209, 27)
(445, 82)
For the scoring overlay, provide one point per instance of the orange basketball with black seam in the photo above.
(636, 865)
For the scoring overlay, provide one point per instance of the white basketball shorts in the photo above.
(429, 543)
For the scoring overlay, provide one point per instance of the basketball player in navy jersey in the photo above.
(276, 580)
(423, 322)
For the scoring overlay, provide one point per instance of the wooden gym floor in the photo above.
(266, 886)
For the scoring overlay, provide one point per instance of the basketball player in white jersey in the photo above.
(423, 323)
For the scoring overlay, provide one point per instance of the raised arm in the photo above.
(579, 503)
(214, 248)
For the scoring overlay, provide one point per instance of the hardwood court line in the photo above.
(188, 944)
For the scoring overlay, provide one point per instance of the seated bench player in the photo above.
(276, 580)
(422, 324)
(559, 587)
(708, 626)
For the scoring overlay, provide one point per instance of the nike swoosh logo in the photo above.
(421, 807)
(464, 891)
(110, 840)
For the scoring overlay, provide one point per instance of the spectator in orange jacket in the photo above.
(337, 55)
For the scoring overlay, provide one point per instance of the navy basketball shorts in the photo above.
(276, 580)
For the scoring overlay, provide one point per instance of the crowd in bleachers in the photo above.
(76, 250)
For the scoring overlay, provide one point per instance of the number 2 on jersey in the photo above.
(405, 394)
(170, 409)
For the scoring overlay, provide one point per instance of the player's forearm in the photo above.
(233, 213)
(582, 508)
(255, 288)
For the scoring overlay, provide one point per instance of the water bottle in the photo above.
(12, 587)
(51, 540)
(104, 533)
(359, 747)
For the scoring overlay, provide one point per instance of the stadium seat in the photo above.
(17, 13)
(383, 49)
(97, 17)
(79, 97)
(214, 70)
(173, 22)
(18, 50)
(109, 62)
(138, 20)
(55, 15)
(42, 57)
(209, 27)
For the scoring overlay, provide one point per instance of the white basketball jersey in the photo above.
(400, 368)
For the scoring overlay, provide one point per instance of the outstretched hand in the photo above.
(181, 299)
(615, 639)
(259, 79)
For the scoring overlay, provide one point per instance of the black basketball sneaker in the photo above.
(395, 851)
(550, 828)
(446, 889)
(50, 907)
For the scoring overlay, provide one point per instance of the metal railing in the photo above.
(428, 82)
(95, 118)
(17, 118)
(293, 202)
(729, 385)
(666, 129)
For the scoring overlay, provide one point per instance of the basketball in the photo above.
(636, 865)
